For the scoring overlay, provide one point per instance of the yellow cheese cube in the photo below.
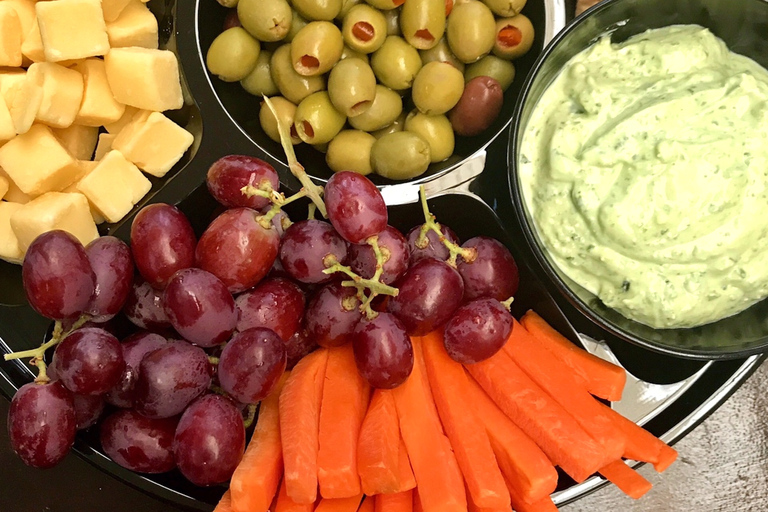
(9, 245)
(88, 166)
(99, 106)
(105, 145)
(154, 145)
(25, 9)
(32, 47)
(11, 80)
(54, 210)
(7, 129)
(26, 101)
(79, 140)
(14, 193)
(144, 78)
(5, 183)
(10, 36)
(136, 26)
(113, 8)
(62, 93)
(114, 186)
(72, 29)
(37, 162)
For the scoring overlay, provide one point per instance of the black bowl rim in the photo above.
(539, 252)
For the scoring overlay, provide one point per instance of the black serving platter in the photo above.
(90, 481)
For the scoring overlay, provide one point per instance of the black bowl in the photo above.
(742, 24)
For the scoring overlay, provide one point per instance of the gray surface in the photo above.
(723, 463)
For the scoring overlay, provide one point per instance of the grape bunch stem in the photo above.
(468, 254)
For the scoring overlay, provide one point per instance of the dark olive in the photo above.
(350, 150)
(291, 84)
(364, 28)
(423, 22)
(316, 48)
(503, 71)
(478, 107)
(266, 20)
(514, 37)
(400, 155)
(471, 31)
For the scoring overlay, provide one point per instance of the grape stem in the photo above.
(314, 192)
(250, 415)
(213, 360)
(277, 204)
(468, 254)
(508, 303)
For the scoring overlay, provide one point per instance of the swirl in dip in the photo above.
(644, 167)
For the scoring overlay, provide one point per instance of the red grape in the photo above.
(57, 276)
(228, 175)
(200, 307)
(135, 347)
(41, 423)
(362, 259)
(276, 304)
(332, 315)
(383, 351)
(209, 441)
(251, 364)
(89, 361)
(305, 247)
(493, 273)
(112, 265)
(355, 206)
(237, 249)
(139, 443)
(144, 307)
(299, 346)
(88, 408)
(163, 242)
(477, 330)
(170, 377)
(434, 248)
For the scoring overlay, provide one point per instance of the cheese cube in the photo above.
(136, 26)
(154, 145)
(11, 80)
(14, 193)
(10, 36)
(9, 245)
(88, 166)
(113, 8)
(128, 117)
(144, 78)
(62, 93)
(105, 145)
(25, 9)
(114, 186)
(54, 210)
(99, 106)
(79, 140)
(32, 47)
(7, 128)
(72, 29)
(26, 101)
(37, 162)
(5, 183)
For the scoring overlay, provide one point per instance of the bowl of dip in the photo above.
(639, 172)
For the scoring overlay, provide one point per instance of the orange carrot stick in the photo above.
(631, 483)
(397, 502)
(286, 504)
(523, 464)
(368, 505)
(545, 504)
(417, 501)
(465, 431)
(378, 445)
(667, 455)
(300, 425)
(350, 504)
(555, 378)
(439, 480)
(345, 400)
(256, 479)
(556, 432)
(601, 378)
(225, 503)
(406, 480)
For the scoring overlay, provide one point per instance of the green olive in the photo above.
(228, 3)
(291, 84)
(514, 37)
(297, 23)
(386, 107)
(349, 53)
(500, 70)
(323, 148)
(437, 88)
(317, 10)
(352, 86)
(316, 48)
(346, 5)
(471, 31)
(400, 155)
(259, 81)
(266, 20)
(505, 8)
(233, 54)
(385, 5)
(317, 120)
(397, 126)
(396, 63)
(441, 52)
(423, 22)
(393, 22)
(364, 28)
(436, 130)
(350, 150)
(285, 111)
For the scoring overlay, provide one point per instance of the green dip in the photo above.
(645, 166)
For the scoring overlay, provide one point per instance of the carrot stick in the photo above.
(286, 504)
(667, 455)
(406, 480)
(555, 378)
(417, 501)
(523, 464)
(398, 502)
(300, 425)
(256, 479)
(350, 504)
(378, 445)
(556, 432)
(368, 505)
(345, 400)
(631, 483)
(465, 431)
(439, 480)
(601, 378)
(545, 504)
(225, 503)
